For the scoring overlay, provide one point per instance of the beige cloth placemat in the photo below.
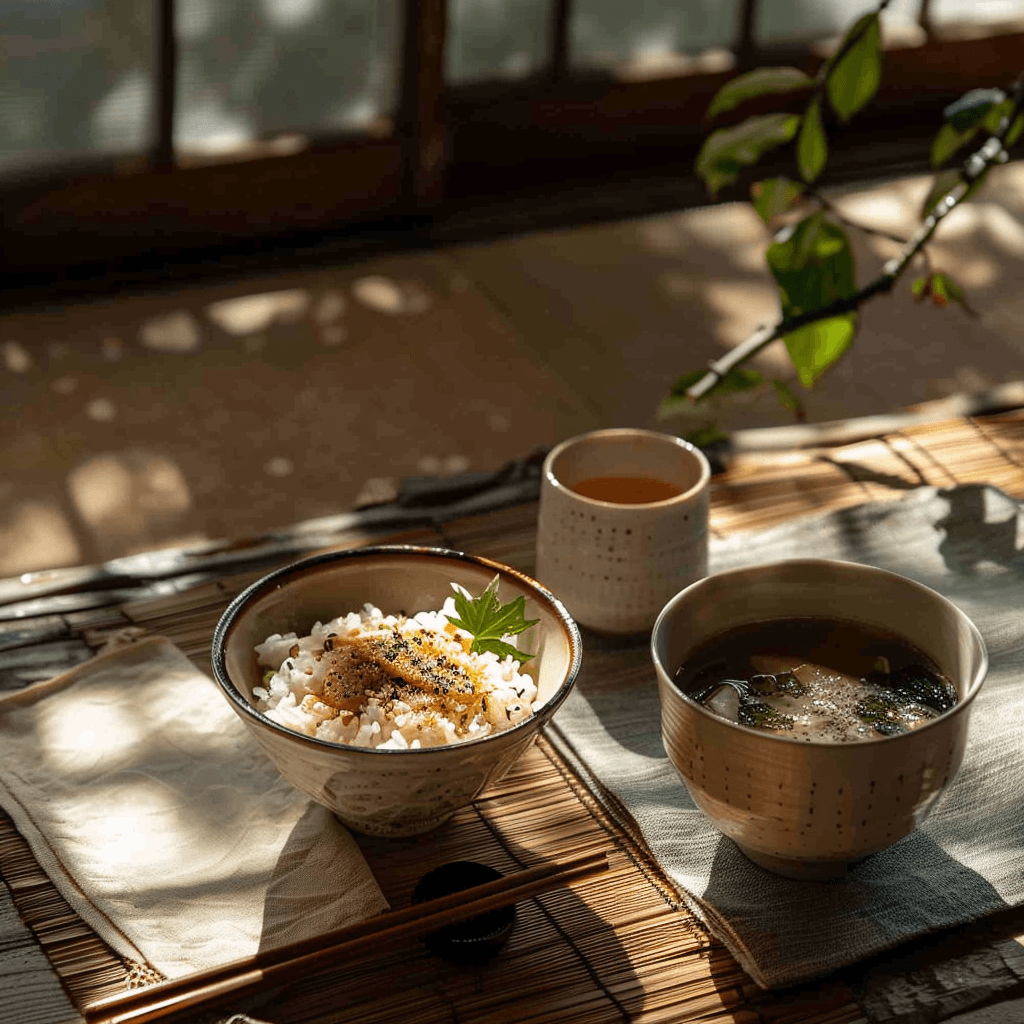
(160, 821)
(966, 861)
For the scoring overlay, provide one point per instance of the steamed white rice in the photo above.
(297, 669)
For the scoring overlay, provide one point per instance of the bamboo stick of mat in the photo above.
(274, 966)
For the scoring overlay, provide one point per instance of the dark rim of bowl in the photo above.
(234, 609)
(959, 707)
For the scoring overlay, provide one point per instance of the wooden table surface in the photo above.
(620, 946)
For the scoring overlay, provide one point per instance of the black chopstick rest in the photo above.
(477, 939)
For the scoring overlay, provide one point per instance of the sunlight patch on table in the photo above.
(433, 465)
(969, 271)
(377, 491)
(335, 334)
(89, 731)
(739, 306)
(279, 466)
(878, 209)
(734, 231)
(249, 314)
(102, 410)
(328, 308)
(1003, 229)
(959, 223)
(35, 534)
(172, 332)
(131, 497)
(395, 298)
(16, 357)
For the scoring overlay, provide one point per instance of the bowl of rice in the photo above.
(392, 684)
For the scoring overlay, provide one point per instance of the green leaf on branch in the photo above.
(727, 151)
(788, 399)
(993, 120)
(980, 108)
(945, 290)
(947, 142)
(854, 78)
(813, 267)
(942, 290)
(774, 196)
(1016, 129)
(812, 146)
(812, 263)
(762, 82)
(817, 346)
(972, 108)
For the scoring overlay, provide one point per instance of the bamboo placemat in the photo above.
(620, 946)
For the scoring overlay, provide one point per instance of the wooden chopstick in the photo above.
(271, 967)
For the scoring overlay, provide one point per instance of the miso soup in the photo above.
(824, 680)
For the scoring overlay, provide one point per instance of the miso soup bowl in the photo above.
(808, 809)
(389, 792)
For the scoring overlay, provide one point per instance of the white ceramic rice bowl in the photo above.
(388, 792)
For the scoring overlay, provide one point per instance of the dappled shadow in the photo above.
(618, 682)
(859, 473)
(983, 525)
(561, 950)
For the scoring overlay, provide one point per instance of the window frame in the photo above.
(461, 161)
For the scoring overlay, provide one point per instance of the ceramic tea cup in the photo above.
(622, 525)
(800, 808)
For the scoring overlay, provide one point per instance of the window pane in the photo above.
(257, 70)
(806, 20)
(491, 39)
(977, 12)
(651, 35)
(74, 80)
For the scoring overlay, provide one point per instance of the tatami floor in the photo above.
(230, 409)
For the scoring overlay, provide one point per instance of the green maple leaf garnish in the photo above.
(489, 622)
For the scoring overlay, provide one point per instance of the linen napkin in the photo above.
(160, 821)
(964, 862)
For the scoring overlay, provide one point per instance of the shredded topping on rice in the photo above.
(391, 681)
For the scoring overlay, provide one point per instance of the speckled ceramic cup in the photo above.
(615, 565)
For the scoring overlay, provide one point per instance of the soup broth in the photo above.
(823, 680)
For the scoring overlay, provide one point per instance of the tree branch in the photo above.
(974, 167)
